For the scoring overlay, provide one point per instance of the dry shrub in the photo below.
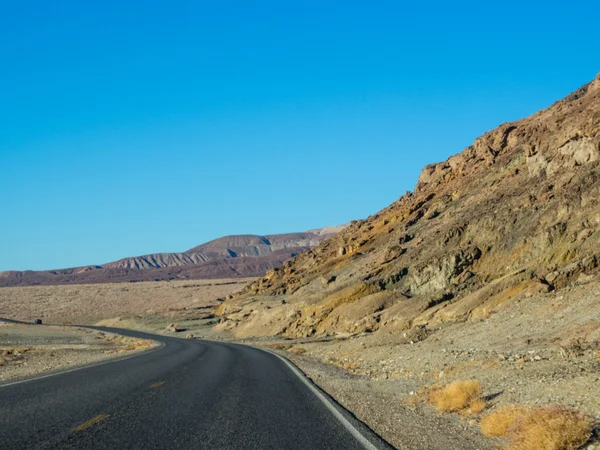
(546, 427)
(458, 395)
(552, 428)
(476, 406)
(498, 422)
(297, 350)
(278, 346)
(129, 344)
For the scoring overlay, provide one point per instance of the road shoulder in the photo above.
(33, 351)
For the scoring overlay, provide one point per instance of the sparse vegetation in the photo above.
(548, 427)
(498, 422)
(297, 350)
(279, 346)
(476, 406)
(12, 355)
(126, 344)
(458, 396)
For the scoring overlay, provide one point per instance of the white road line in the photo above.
(339, 416)
(162, 344)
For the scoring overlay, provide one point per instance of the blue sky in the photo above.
(134, 127)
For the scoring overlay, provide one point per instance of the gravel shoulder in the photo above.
(382, 406)
(28, 350)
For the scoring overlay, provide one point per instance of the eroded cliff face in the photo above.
(515, 214)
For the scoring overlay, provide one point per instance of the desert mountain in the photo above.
(247, 245)
(515, 214)
(226, 257)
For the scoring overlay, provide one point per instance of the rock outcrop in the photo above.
(516, 212)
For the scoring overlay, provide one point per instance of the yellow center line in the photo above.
(157, 384)
(89, 423)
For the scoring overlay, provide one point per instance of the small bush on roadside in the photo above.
(476, 406)
(458, 395)
(278, 346)
(498, 422)
(297, 350)
(547, 427)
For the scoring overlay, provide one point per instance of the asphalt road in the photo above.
(186, 394)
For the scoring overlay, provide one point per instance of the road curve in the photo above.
(186, 394)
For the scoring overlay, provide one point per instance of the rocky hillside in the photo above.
(515, 214)
(227, 257)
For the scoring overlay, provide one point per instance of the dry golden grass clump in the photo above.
(547, 427)
(498, 422)
(297, 350)
(477, 406)
(128, 344)
(138, 344)
(278, 346)
(460, 395)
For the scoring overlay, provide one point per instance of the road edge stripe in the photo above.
(368, 445)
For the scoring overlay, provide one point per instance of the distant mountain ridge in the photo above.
(245, 245)
(229, 256)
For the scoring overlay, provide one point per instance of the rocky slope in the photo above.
(230, 256)
(515, 214)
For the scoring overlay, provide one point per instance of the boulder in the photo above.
(173, 328)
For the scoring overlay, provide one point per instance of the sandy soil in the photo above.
(27, 350)
(87, 304)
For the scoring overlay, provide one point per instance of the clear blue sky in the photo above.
(133, 127)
